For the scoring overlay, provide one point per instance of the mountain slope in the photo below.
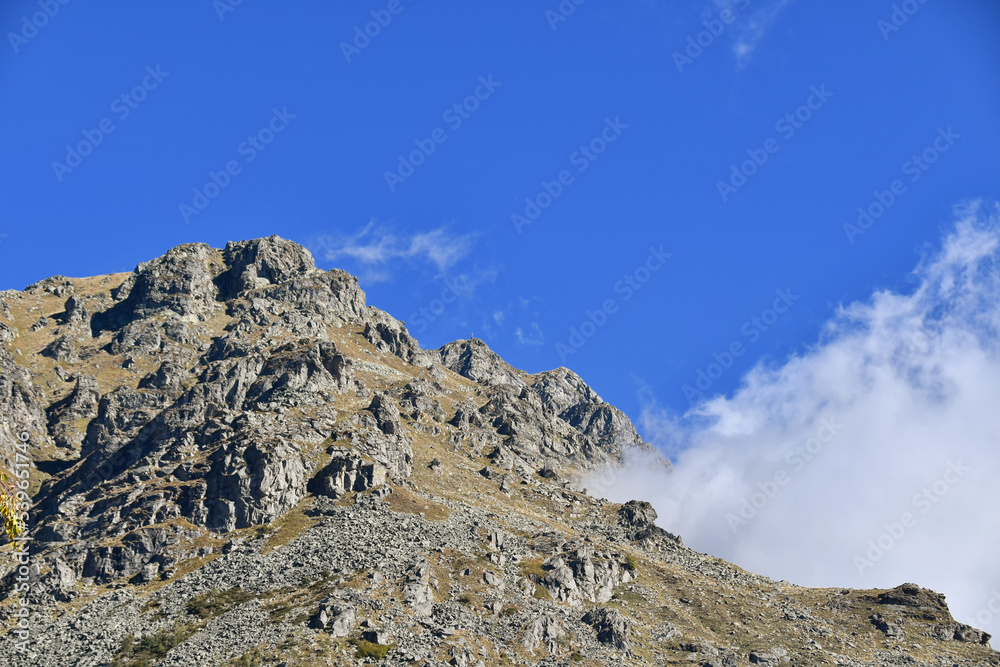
(237, 459)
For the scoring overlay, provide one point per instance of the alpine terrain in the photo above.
(236, 461)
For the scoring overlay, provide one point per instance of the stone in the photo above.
(611, 627)
(545, 630)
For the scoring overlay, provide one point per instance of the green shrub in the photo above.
(630, 563)
(367, 649)
(533, 568)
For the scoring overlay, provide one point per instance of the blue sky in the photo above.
(788, 207)
(204, 82)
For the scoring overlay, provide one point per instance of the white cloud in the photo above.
(533, 337)
(868, 424)
(375, 245)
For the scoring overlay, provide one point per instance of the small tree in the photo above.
(13, 522)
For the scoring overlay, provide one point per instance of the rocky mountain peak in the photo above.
(260, 263)
(473, 359)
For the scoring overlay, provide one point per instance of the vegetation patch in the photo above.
(630, 563)
(149, 650)
(252, 659)
(216, 603)
(533, 568)
(292, 524)
(366, 649)
(407, 502)
(630, 597)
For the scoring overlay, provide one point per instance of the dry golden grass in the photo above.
(292, 524)
(404, 500)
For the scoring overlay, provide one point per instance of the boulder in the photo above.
(611, 627)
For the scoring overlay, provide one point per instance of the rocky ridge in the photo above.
(238, 461)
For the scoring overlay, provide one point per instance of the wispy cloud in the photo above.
(806, 470)
(533, 337)
(753, 24)
(375, 245)
(519, 313)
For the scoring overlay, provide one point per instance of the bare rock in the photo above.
(335, 617)
(417, 592)
(611, 627)
(890, 628)
(473, 359)
(545, 630)
(260, 263)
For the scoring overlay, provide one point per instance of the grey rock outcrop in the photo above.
(418, 592)
(611, 627)
(474, 360)
(260, 263)
(335, 617)
(582, 575)
(64, 416)
(347, 471)
(545, 630)
(180, 283)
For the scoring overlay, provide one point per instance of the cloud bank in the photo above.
(869, 460)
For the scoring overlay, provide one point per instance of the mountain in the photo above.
(237, 461)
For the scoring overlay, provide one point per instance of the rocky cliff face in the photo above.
(238, 461)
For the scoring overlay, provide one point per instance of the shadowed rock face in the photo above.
(239, 421)
(180, 282)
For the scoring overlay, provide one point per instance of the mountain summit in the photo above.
(236, 461)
